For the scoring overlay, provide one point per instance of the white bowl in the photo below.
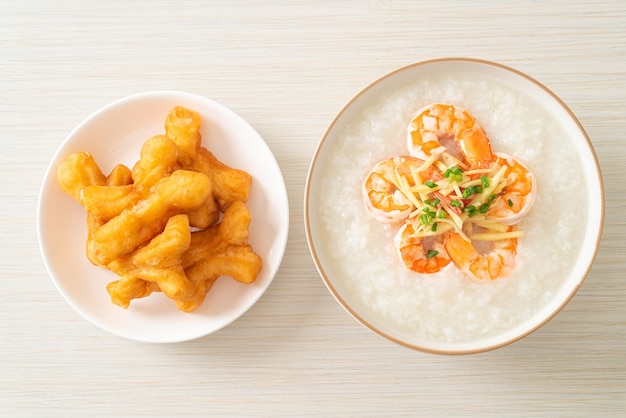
(446, 312)
(114, 134)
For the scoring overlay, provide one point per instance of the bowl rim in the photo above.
(277, 246)
(307, 208)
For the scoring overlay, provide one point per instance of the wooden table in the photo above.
(288, 68)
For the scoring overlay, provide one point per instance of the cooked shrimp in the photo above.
(518, 196)
(494, 262)
(422, 255)
(437, 124)
(383, 199)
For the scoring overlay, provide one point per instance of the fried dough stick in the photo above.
(156, 266)
(229, 184)
(180, 192)
(221, 250)
(158, 159)
(79, 172)
(182, 126)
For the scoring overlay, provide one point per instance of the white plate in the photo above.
(114, 135)
(334, 247)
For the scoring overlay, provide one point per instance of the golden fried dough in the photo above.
(158, 262)
(183, 127)
(119, 176)
(232, 230)
(158, 158)
(77, 172)
(140, 220)
(106, 202)
(221, 250)
(236, 261)
(229, 184)
(124, 290)
(181, 191)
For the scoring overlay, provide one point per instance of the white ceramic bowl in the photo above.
(446, 313)
(114, 134)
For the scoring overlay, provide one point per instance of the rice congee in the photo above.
(447, 306)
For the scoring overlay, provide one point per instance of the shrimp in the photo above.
(437, 124)
(422, 255)
(383, 200)
(494, 262)
(518, 196)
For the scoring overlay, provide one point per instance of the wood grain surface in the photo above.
(288, 67)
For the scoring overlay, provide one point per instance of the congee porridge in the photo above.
(447, 305)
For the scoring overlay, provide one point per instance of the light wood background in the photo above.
(288, 67)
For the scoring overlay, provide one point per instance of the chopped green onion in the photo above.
(454, 173)
(431, 253)
(492, 198)
(434, 227)
(427, 213)
(484, 180)
(471, 190)
(432, 203)
(471, 211)
(483, 208)
(425, 219)
(510, 202)
(430, 184)
(442, 214)
(455, 204)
